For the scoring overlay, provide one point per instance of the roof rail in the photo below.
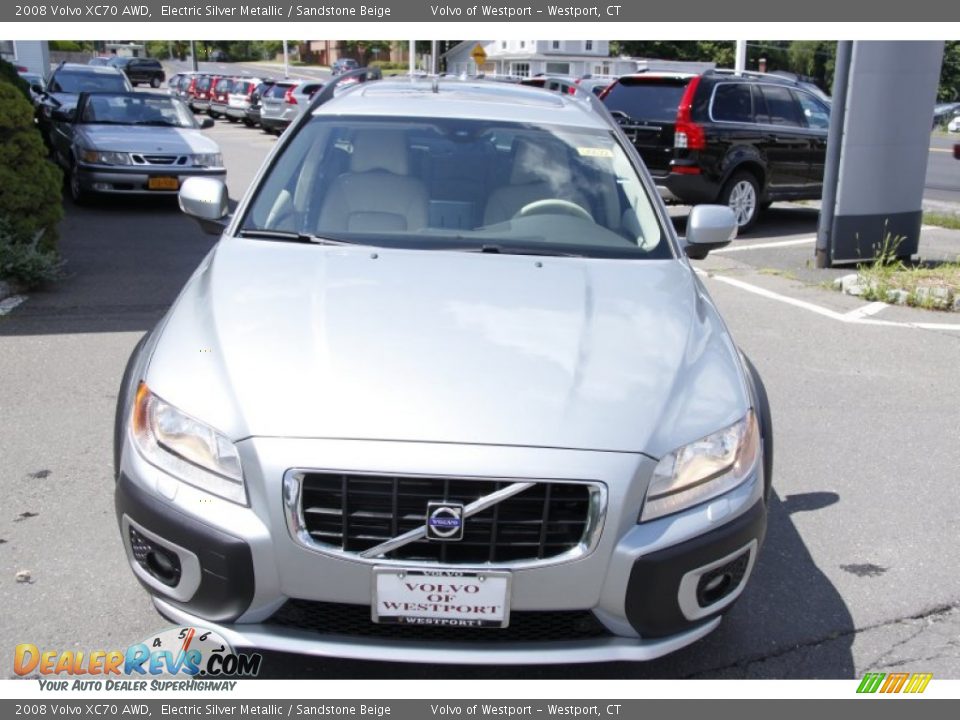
(360, 75)
(754, 74)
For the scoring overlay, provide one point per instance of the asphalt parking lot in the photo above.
(859, 571)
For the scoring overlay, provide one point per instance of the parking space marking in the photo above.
(762, 246)
(867, 310)
(855, 317)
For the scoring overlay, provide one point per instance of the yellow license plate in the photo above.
(163, 183)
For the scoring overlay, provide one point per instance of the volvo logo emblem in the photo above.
(444, 521)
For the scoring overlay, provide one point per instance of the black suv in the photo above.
(741, 140)
(141, 70)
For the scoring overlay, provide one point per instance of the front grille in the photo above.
(354, 621)
(159, 159)
(354, 513)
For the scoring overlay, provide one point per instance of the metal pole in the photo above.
(741, 60)
(193, 54)
(433, 57)
(286, 61)
(831, 174)
(413, 56)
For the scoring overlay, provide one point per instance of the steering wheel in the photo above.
(551, 206)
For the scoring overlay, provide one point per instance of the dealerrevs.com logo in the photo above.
(181, 658)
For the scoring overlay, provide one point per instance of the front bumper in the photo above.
(135, 180)
(636, 582)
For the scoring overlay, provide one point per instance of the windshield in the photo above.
(78, 82)
(137, 109)
(458, 184)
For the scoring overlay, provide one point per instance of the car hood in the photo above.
(290, 340)
(146, 139)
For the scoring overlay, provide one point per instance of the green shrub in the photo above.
(25, 263)
(387, 65)
(30, 201)
(8, 73)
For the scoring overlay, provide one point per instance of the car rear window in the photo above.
(278, 90)
(224, 85)
(646, 98)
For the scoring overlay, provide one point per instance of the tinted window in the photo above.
(277, 91)
(646, 99)
(732, 103)
(815, 112)
(782, 108)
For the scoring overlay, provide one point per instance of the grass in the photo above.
(951, 222)
(930, 285)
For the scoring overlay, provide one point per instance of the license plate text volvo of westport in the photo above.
(447, 390)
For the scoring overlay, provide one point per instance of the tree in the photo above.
(949, 90)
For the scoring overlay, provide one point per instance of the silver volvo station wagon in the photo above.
(447, 390)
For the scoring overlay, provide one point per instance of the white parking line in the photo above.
(855, 317)
(762, 246)
(867, 310)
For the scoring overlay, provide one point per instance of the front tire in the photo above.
(155, 83)
(742, 195)
(77, 193)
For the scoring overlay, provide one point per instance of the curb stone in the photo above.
(850, 285)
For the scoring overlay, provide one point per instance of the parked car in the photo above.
(240, 97)
(132, 143)
(65, 84)
(252, 115)
(219, 56)
(944, 112)
(178, 84)
(218, 97)
(596, 83)
(740, 140)
(954, 125)
(36, 82)
(459, 397)
(278, 107)
(199, 92)
(148, 71)
(302, 93)
(100, 60)
(343, 65)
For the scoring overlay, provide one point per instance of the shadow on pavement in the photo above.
(126, 260)
(790, 623)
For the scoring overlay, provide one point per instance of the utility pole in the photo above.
(193, 54)
(831, 174)
(286, 61)
(741, 61)
(433, 57)
(413, 56)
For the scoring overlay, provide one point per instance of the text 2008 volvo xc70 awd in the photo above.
(447, 390)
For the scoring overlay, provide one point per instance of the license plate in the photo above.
(163, 183)
(441, 598)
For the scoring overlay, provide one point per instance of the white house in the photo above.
(526, 58)
(31, 54)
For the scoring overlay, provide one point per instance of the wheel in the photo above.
(77, 193)
(249, 123)
(155, 83)
(553, 206)
(231, 118)
(742, 195)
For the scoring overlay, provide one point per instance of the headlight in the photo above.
(187, 448)
(208, 160)
(100, 157)
(703, 469)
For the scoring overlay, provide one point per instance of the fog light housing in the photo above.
(161, 563)
(721, 581)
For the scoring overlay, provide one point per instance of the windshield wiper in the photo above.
(289, 236)
(158, 123)
(507, 250)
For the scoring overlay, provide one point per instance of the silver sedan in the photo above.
(132, 143)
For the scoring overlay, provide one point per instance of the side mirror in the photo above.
(37, 88)
(207, 122)
(67, 115)
(709, 227)
(205, 199)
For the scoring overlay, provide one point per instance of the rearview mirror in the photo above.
(206, 123)
(205, 199)
(709, 227)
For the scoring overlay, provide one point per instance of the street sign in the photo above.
(479, 55)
